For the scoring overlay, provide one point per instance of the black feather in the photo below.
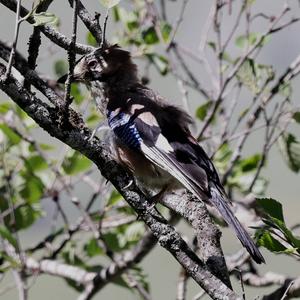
(222, 206)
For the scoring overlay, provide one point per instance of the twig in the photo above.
(71, 59)
(237, 67)
(15, 41)
(181, 285)
(92, 24)
(242, 283)
(178, 22)
(35, 40)
(189, 73)
(103, 41)
(292, 71)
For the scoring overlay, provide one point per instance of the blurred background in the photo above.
(284, 185)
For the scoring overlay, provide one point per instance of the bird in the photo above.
(151, 136)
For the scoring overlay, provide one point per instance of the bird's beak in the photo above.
(63, 79)
(77, 73)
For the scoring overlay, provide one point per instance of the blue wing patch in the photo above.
(124, 128)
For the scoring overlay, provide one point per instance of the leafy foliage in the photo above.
(276, 236)
(76, 163)
(45, 18)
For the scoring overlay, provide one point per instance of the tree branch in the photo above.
(53, 35)
(35, 39)
(207, 233)
(92, 24)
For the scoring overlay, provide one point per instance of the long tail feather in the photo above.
(222, 205)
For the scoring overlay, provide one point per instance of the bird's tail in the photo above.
(222, 205)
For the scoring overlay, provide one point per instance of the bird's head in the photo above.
(103, 64)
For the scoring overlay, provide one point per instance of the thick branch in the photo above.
(207, 233)
(30, 75)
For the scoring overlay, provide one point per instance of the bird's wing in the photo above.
(181, 156)
(139, 129)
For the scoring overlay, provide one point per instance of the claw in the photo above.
(128, 185)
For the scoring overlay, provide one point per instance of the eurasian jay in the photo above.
(151, 136)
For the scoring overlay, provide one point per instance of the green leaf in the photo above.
(21, 113)
(121, 282)
(272, 207)
(141, 277)
(250, 163)
(32, 189)
(92, 248)
(45, 18)
(109, 3)
(90, 39)
(203, 110)
(76, 163)
(243, 175)
(212, 45)
(60, 67)
(134, 232)
(93, 118)
(7, 235)
(115, 197)
(222, 157)
(116, 14)
(226, 57)
(290, 149)
(129, 18)
(26, 215)
(166, 30)
(149, 36)
(296, 116)
(5, 107)
(285, 89)
(247, 40)
(36, 163)
(160, 62)
(247, 75)
(45, 147)
(13, 137)
(292, 240)
(112, 241)
(266, 240)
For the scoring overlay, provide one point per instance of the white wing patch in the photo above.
(163, 144)
(159, 159)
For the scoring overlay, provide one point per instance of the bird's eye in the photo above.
(92, 64)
